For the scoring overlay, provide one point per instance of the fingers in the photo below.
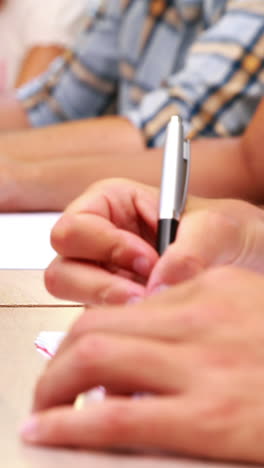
(93, 238)
(170, 315)
(120, 201)
(123, 364)
(205, 238)
(89, 284)
(172, 424)
(117, 423)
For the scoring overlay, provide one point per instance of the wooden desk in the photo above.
(20, 366)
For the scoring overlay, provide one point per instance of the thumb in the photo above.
(204, 239)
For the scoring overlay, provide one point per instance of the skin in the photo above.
(36, 62)
(45, 169)
(199, 343)
(200, 349)
(106, 243)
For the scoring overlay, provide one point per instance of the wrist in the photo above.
(19, 187)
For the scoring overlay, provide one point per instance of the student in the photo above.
(211, 74)
(195, 349)
(33, 34)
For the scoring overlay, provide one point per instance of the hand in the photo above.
(197, 347)
(106, 243)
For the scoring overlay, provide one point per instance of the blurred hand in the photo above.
(106, 243)
(198, 348)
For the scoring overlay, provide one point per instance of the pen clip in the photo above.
(187, 165)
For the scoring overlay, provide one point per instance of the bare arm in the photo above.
(85, 137)
(218, 170)
(12, 115)
(220, 167)
(36, 62)
(231, 167)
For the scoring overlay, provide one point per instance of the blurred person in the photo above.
(211, 74)
(32, 34)
(197, 335)
(52, 184)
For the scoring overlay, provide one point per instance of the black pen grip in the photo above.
(167, 230)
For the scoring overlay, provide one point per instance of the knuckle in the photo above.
(50, 278)
(116, 424)
(105, 187)
(62, 237)
(221, 274)
(117, 249)
(217, 219)
(106, 295)
(91, 351)
(83, 323)
(56, 277)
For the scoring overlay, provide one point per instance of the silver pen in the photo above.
(174, 183)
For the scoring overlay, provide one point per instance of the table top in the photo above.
(26, 288)
(22, 318)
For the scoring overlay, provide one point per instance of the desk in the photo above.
(21, 364)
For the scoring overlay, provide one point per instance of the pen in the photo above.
(174, 183)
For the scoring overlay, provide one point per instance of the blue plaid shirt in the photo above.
(151, 59)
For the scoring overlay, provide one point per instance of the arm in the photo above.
(49, 183)
(91, 77)
(36, 62)
(213, 92)
(12, 114)
(82, 83)
(106, 135)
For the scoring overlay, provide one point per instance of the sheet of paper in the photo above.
(47, 343)
(25, 240)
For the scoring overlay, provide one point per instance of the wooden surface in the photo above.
(20, 287)
(21, 364)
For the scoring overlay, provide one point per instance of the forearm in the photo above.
(53, 184)
(231, 167)
(12, 114)
(81, 138)
(36, 62)
(219, 169)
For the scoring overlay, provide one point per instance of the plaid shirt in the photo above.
(202, 59)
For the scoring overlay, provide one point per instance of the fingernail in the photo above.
(29, 430)
(158, 289)
(134, 300)
(141, 265)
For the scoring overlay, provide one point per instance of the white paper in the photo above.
(47, 343)
(25, 240)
